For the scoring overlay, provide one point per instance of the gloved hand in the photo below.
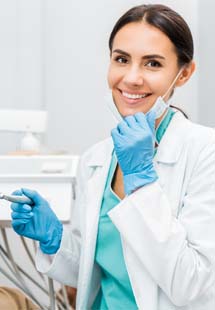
(134, 140)
(37, 221)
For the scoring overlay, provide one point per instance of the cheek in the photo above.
(157, 82)
(109, 80)
(110, 76)
(154, 79)
(114, 76)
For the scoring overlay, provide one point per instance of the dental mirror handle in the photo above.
(17, 199)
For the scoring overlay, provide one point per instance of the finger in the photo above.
(117, 137)
(17, 192)
(32, 194)
(17, 215)
(122, 128)
(141, 120)
(19, 222)
(151, 117)
(131, 121)
(115, 133)
(21, 208)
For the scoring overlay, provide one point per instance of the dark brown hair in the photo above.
(166, 20)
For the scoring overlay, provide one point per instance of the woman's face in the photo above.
(142, 67)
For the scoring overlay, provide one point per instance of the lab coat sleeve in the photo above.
(178, 253)
(64, 265)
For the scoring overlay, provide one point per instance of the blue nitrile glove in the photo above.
(37, 221)
(134, 140)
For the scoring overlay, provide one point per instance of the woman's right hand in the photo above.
(37, 221)
(134, 142)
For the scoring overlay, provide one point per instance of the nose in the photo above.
(133, 76)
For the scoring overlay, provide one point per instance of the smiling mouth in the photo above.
(134, 97)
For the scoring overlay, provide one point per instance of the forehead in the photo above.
(140, 37)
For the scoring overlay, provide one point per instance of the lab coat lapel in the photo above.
(99, 166)
(168, 154)
(95, 188)
(172, 142)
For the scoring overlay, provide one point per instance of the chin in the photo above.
(128, 112)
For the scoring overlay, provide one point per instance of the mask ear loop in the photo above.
(166, 93)
(172, 84)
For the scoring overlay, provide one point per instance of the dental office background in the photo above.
(54, 56)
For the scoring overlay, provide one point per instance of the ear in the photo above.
(185, 74)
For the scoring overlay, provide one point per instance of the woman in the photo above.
(142, 235)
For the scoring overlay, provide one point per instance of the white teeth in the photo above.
(133, 96)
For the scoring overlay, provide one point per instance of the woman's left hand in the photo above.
(134, 140)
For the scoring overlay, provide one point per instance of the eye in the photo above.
(153, 64)
(121, 59)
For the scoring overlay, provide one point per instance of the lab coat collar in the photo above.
(168, 151)
(102, 152)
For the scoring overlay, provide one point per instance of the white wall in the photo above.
(21, 60)
(21, 54)
(54, 55)
(206, 28)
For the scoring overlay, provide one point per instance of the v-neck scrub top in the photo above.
(116, 292)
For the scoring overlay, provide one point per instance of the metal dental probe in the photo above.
(17, 199)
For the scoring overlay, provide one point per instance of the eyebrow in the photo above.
(144, 57)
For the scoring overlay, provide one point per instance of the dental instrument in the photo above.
(17, 199)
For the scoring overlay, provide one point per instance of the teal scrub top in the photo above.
(115, 291)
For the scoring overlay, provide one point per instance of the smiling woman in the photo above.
(148, 58)
(142, 234)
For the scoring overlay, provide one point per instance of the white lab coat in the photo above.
(167, 228)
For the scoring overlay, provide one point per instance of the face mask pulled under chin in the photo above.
(159, 107)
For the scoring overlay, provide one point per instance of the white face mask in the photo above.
(159, 106)
(112, 107)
